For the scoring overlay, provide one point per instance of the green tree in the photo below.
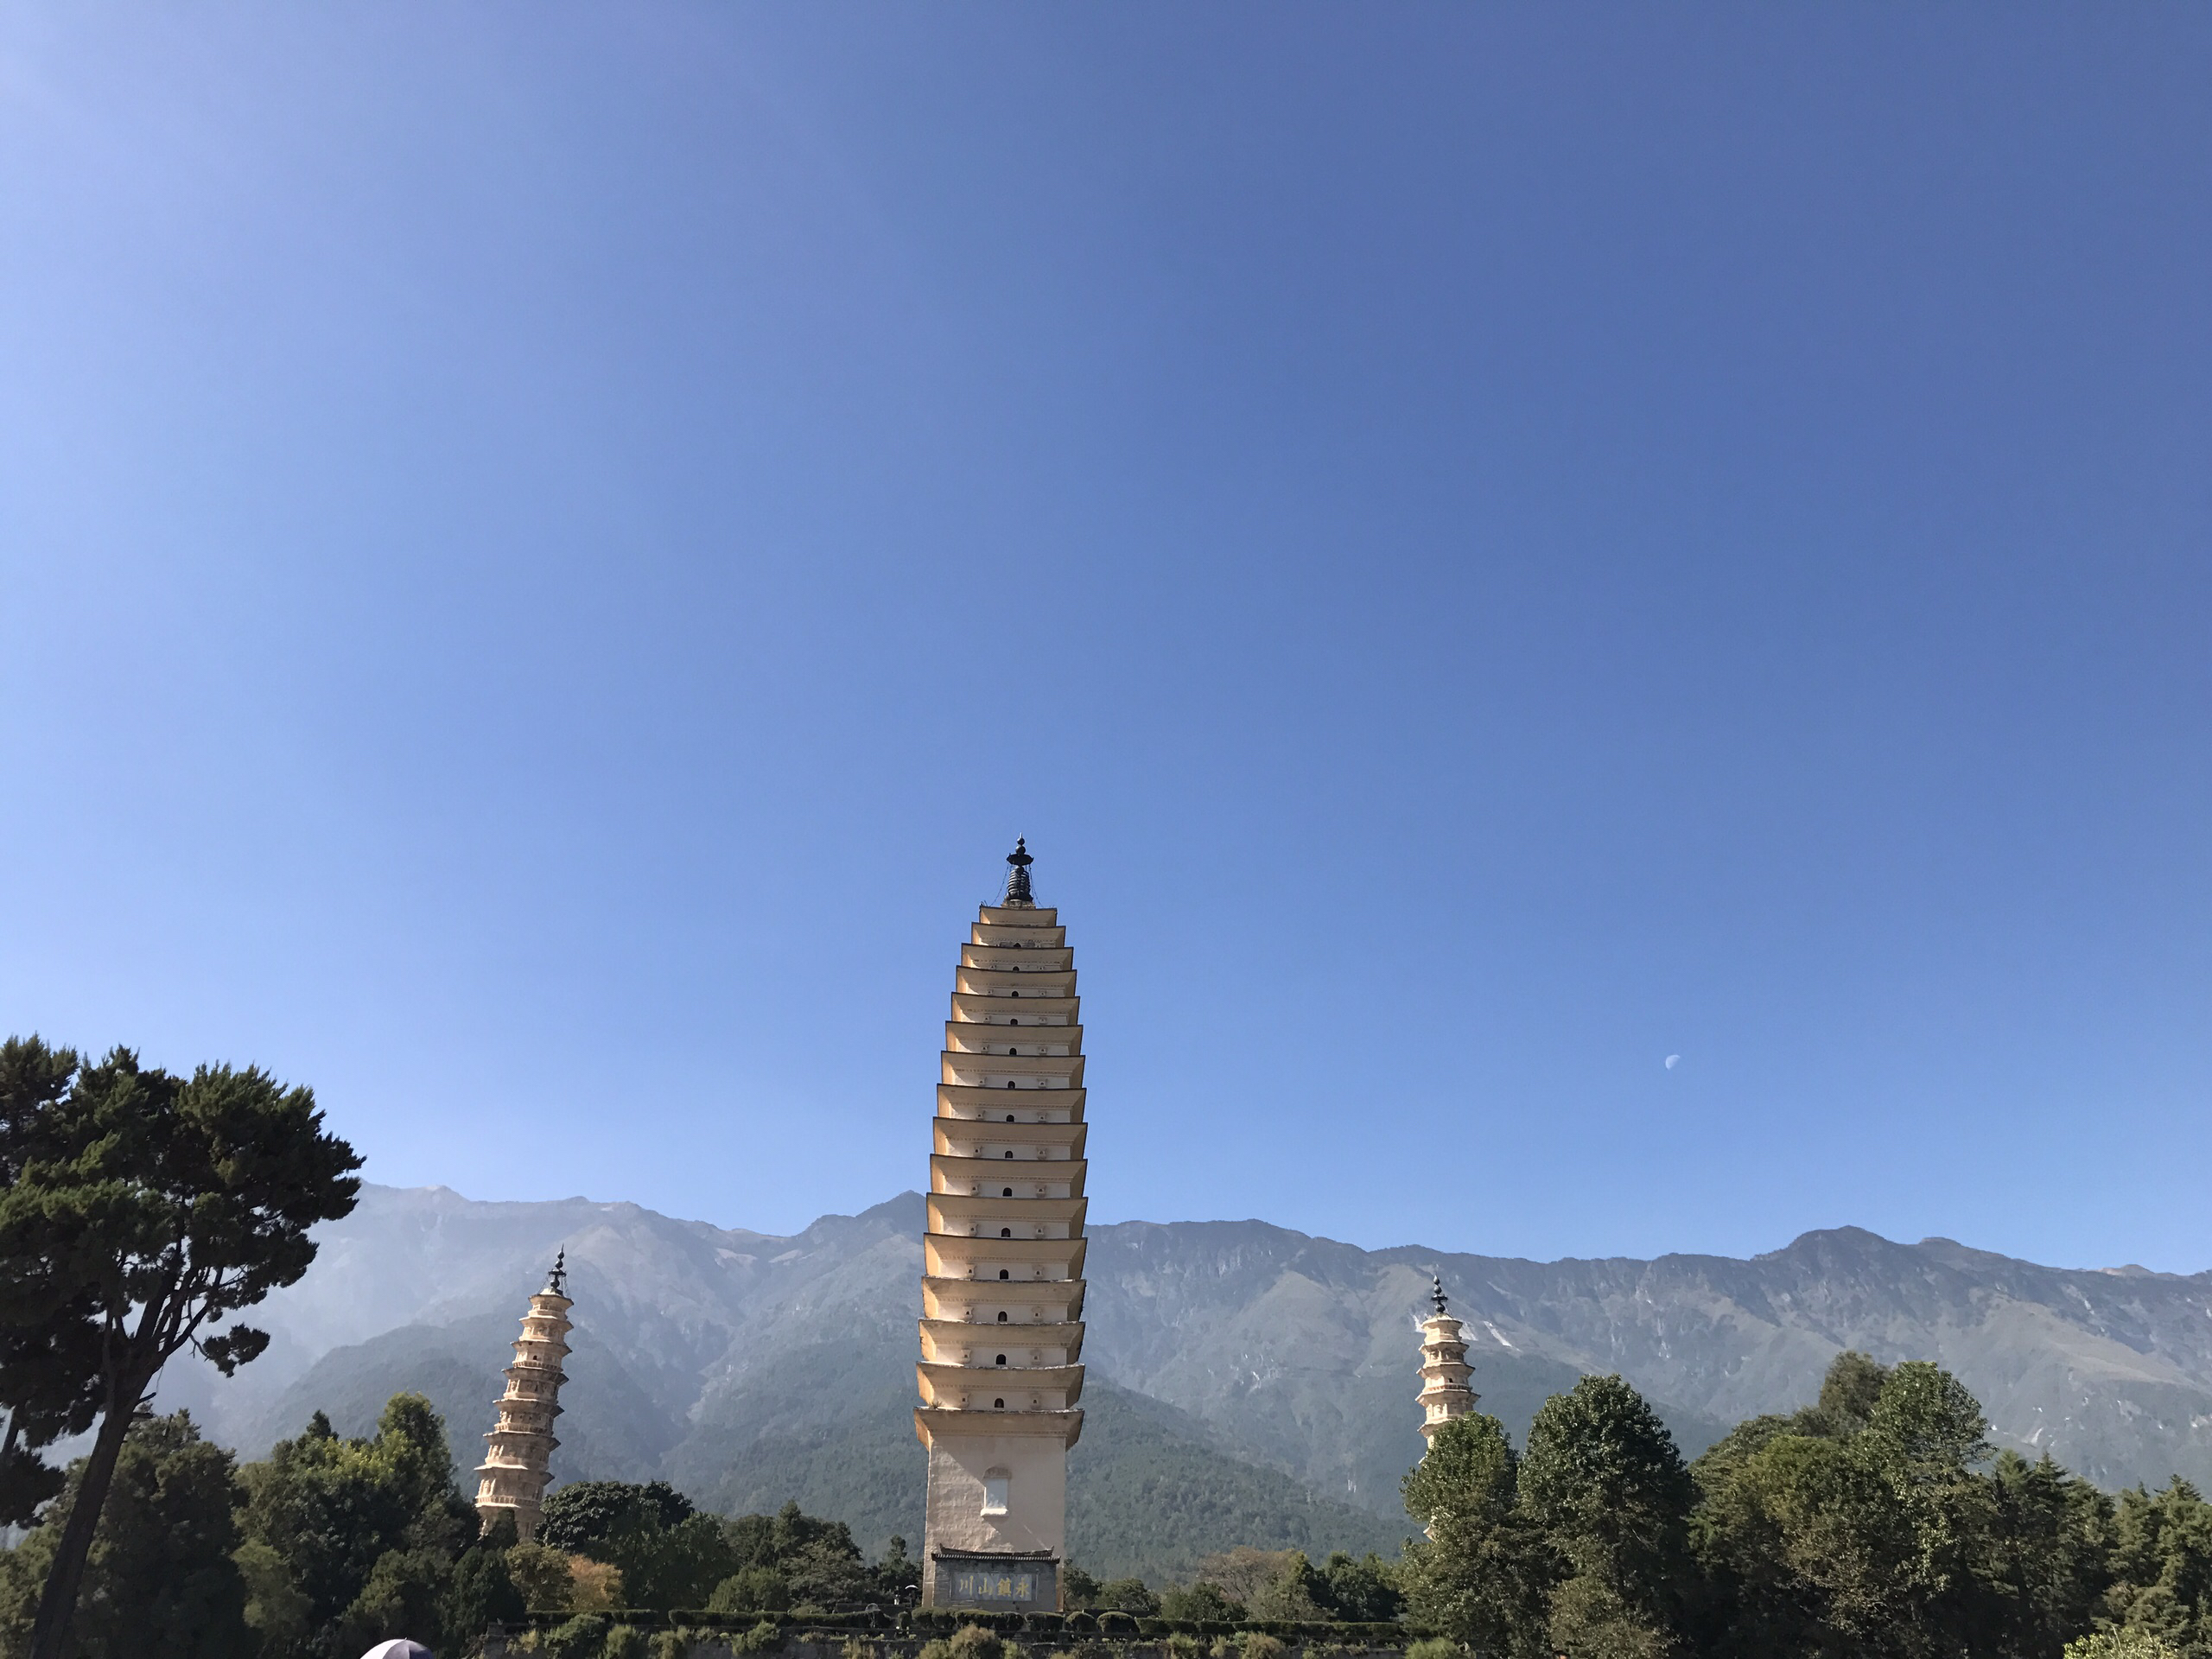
(1126, 1596)
(815, 1561)
(751, 1590)
(2046, 1556)
(1926, 1428)
(1603, 1479)
(1083, 1590)
(1807, 1549)
(897, 1576)
(1849, 1394)
(1293, 1591)
(2161, 1567)
(2121, 1644)
(1200, 1601)
(159, 1581)
(1360, 1592)
(483, 1590)
(49, 1356)
(1265, 1583)
(1863, 1527)
(1924, 1437)
(542, 1578)
(668, 1555)
(406, 1594)
(585, 1513)
(331, 1510)
(1483, 1574)
(141, 1210)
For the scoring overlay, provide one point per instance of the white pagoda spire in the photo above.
(512, 1477)
(1002, 1264)
(1444, 1368)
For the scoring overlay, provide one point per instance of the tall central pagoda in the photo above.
(1002, 1264)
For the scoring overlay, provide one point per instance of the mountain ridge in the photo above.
(730, 1358)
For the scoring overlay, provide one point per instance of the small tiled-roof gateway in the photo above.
(1002, 1285)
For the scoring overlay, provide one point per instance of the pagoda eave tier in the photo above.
(1053, 982)
(929, 1421)
(1057, 1093)
(939, 1378)
(1047, 931)
(945, 1254)
(944, 1291)
(971, 1333)
(1023, 1139)
(983, 1206)
(512, 1465)
(1046, 1013)
(972, 1068)
(960, 1103)
(960, 1034)
(1027, 956)
(951, 1174)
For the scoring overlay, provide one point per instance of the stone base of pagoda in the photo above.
(997, 1506)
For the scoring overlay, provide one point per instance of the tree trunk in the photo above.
(57, 1603)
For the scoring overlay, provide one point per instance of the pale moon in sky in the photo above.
(1671, 1060)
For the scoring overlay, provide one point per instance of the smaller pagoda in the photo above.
(1444, 1368)
(511, 1478)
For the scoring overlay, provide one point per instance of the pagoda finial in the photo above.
(1017, 876)
(1436, 1291)
(559, 1277)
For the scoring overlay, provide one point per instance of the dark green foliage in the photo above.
(1118, 1595)
(793, 1560)
(1199, 1602)
(482, 1592)
(159, 1582)
(596, 1512)
(406, 1595)
(1848, 1394)
(364, 1530)
(2161, 1560)
(1864, 1526)
(1126, 1596)
(751, 1590)
(898, 1575)
(140, 1212)
(1363, 1592)
(1483, 1574)
(49, 1358)
(2047, 1561)
(1603, 1480)
(669, 1556)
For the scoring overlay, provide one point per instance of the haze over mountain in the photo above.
(1249, 1383)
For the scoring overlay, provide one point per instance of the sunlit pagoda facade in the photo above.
(518, 1463)
(1002, 1328)
(1444, 1373)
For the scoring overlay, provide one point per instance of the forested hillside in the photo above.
(750, 1369)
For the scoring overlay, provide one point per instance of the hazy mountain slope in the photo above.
(1301, 1351)
(2110, 1370)
(752, 1367)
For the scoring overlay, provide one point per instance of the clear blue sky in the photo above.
(549, 550)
